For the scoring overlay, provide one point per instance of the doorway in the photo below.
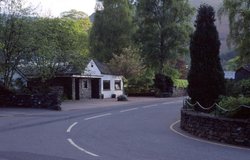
(95, 88)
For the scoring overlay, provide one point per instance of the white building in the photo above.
(99, 82)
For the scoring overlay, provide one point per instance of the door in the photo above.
(95, 88)
(77, 88)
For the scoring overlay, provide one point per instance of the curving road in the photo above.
(135, 131)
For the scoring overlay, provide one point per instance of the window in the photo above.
(106, 85)
(117, 85)
(85, 84)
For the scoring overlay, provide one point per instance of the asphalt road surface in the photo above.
(137, 131)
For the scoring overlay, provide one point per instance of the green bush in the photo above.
(245, 87)
(231, 103)
(122, 98)
(180, 83)
(238, 88)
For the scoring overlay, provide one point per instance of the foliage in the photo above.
(58, 44)
(112, 29)
(172, 72)
(128, 63)
(206, 76)
(231, 103)
(239, 21)
(245, 86)
(74, 14)
(180, 83)
(233, 64)
(163, 29)
(238, 88)
(164, 84)
(142, 84)
(14, 36)
(122, 98)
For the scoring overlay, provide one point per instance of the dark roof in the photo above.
(69, 70)
(104, 69)
(30, 72)
(245, 67)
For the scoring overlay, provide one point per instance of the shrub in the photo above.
(231, 103)
(237, 88)
(245, 87)
(122, 98)
(180, 83)
(164, 85)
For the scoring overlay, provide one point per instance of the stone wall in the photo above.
(85, 88)
(225, 130)
(48, 101)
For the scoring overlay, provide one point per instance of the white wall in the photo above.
(92, 69)
(112, 78)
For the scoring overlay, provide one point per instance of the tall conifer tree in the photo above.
(206, 76)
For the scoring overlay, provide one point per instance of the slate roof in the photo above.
(64, 71)
(245, 67)
(104, 69)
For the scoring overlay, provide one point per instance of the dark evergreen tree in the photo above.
(164, 84)
(206, 76)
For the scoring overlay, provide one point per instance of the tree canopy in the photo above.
(163, 30)
(112, 29)
(239, 19)
(15, 37)
(74, 14)
(128, 63)
(43, 45)
(58, 44)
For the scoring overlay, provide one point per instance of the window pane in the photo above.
(85, 84)
(117, 85)
(106, 85)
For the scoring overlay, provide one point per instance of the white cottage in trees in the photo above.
(97, 81)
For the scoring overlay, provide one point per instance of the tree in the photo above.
(128, 63)
(239, 20)
(59, 44)
(206, 76)
(112, 29)
(74, 14)
(163, 30)
(14, 36)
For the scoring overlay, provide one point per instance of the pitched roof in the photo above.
(104, 69)
(245, 67)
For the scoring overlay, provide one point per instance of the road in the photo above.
(136, 131)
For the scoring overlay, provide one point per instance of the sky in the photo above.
(55, 7)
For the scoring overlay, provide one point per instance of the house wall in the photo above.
(108, 93)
